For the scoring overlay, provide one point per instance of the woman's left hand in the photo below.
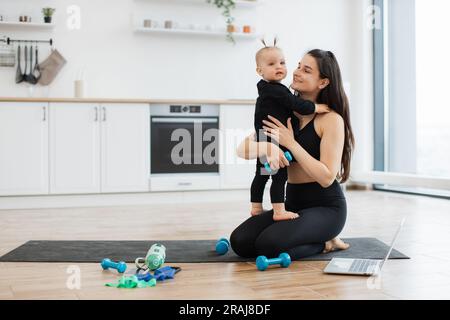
(278, 131)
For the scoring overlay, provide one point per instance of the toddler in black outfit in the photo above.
(276, 100)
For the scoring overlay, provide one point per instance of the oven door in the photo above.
(166, 155)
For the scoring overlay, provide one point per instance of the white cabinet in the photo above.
(125, 156)
(74, 148)
(99, 148)
(236, 122)
(23, 148)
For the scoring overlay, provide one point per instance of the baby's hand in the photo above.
(322, 108)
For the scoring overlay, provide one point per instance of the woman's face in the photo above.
(306, 78)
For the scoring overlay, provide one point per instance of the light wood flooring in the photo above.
(425, 238)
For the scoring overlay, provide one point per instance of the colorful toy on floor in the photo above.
(288, 156)
(132, 282)
(284, 260)
(119, 266)
(167, 272)
(144, 276)
(154, 259)
(222, 246)
(160, 274)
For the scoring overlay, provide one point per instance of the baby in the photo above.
(276, 100)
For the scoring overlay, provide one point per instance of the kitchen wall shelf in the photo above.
(239, 3)
(237, 36)
(27, 24)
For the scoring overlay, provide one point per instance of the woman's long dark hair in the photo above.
(334, 96)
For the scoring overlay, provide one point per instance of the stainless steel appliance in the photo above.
(184, 147)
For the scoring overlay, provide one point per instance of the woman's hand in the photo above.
(275, 157)
(278, 132)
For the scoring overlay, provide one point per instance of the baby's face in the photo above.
(272, 66)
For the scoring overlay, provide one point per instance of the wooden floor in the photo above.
(425, 238)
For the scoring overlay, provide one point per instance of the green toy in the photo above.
(131, 283)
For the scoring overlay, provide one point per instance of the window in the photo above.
(412, 110)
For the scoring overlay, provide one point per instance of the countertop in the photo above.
(108, 100)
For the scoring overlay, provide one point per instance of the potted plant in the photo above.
(48, 13)
(226, 6)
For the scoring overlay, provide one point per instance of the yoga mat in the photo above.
(177, 251)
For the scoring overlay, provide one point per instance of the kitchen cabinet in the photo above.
(23, 148)
(74, 148)
(99, 148)
(125, 156)
(236, 122)
(92, 147)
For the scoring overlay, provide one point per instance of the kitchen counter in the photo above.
(150, 101)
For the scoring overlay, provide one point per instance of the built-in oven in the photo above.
(184, 146)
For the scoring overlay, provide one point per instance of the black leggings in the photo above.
(322, 212)
(279, 178)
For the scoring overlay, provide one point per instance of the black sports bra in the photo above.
(309, 139)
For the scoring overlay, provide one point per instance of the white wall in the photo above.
(119, 63)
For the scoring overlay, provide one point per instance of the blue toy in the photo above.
(288, 156)
(160, 274)
(262, 262)
(222, 246)
(119, 266)
(144, 276)
(166, 273)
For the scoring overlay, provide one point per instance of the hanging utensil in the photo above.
(25, 75)
(30, 76)
(36, 70)
(19, 75)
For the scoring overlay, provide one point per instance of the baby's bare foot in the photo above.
(256, 211)
(286, 215)
(256, 208)
(335, 244)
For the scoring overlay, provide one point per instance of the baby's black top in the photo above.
(276, 99)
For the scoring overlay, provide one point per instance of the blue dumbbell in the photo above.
(288, 156)
(119, 266)
(222, 246)
(284, 260)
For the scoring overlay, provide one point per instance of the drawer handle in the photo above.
(184, 183)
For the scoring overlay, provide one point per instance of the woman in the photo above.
(323, 149)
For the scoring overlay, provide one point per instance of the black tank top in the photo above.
(309, 140)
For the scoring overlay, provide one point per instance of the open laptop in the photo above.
(361, 267)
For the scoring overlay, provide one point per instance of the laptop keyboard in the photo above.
(363, 265)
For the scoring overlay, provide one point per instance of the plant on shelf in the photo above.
(48, 13)
(226, 6)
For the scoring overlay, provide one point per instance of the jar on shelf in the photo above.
(246, 29)
(231, 28)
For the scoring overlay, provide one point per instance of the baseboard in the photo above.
(121, 199)
(358, 186)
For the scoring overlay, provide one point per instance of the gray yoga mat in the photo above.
(177, 251)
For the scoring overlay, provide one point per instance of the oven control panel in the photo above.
(185, 109)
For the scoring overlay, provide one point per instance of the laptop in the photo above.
(361, 267)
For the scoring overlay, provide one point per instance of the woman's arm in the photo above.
(251, 149)
(331, 146)
(248, 148)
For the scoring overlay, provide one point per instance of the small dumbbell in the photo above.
(288, 156)
(262, 262)
(222, 246)
(119, 266)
